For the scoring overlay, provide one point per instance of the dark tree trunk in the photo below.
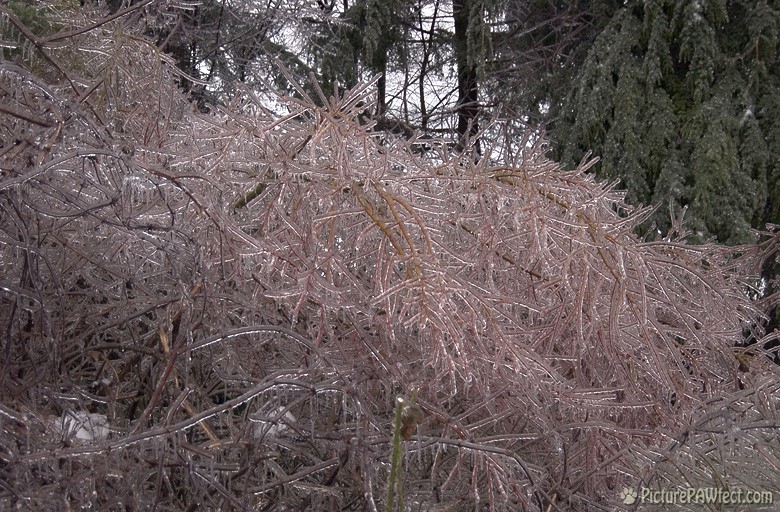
(468, 97)
(380, 66)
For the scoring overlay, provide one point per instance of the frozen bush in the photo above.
(190, 276)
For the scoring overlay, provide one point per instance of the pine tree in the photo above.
(360, 41)
(466, 14)
(680, 100)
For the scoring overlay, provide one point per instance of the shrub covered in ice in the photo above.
(242, 297)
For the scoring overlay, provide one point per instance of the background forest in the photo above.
(234, 234)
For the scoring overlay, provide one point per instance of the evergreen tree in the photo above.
(371, 37)
(538, 48)
(364, 37)
(680, 100)
(467, 14)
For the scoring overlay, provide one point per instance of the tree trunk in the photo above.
(468, 98)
